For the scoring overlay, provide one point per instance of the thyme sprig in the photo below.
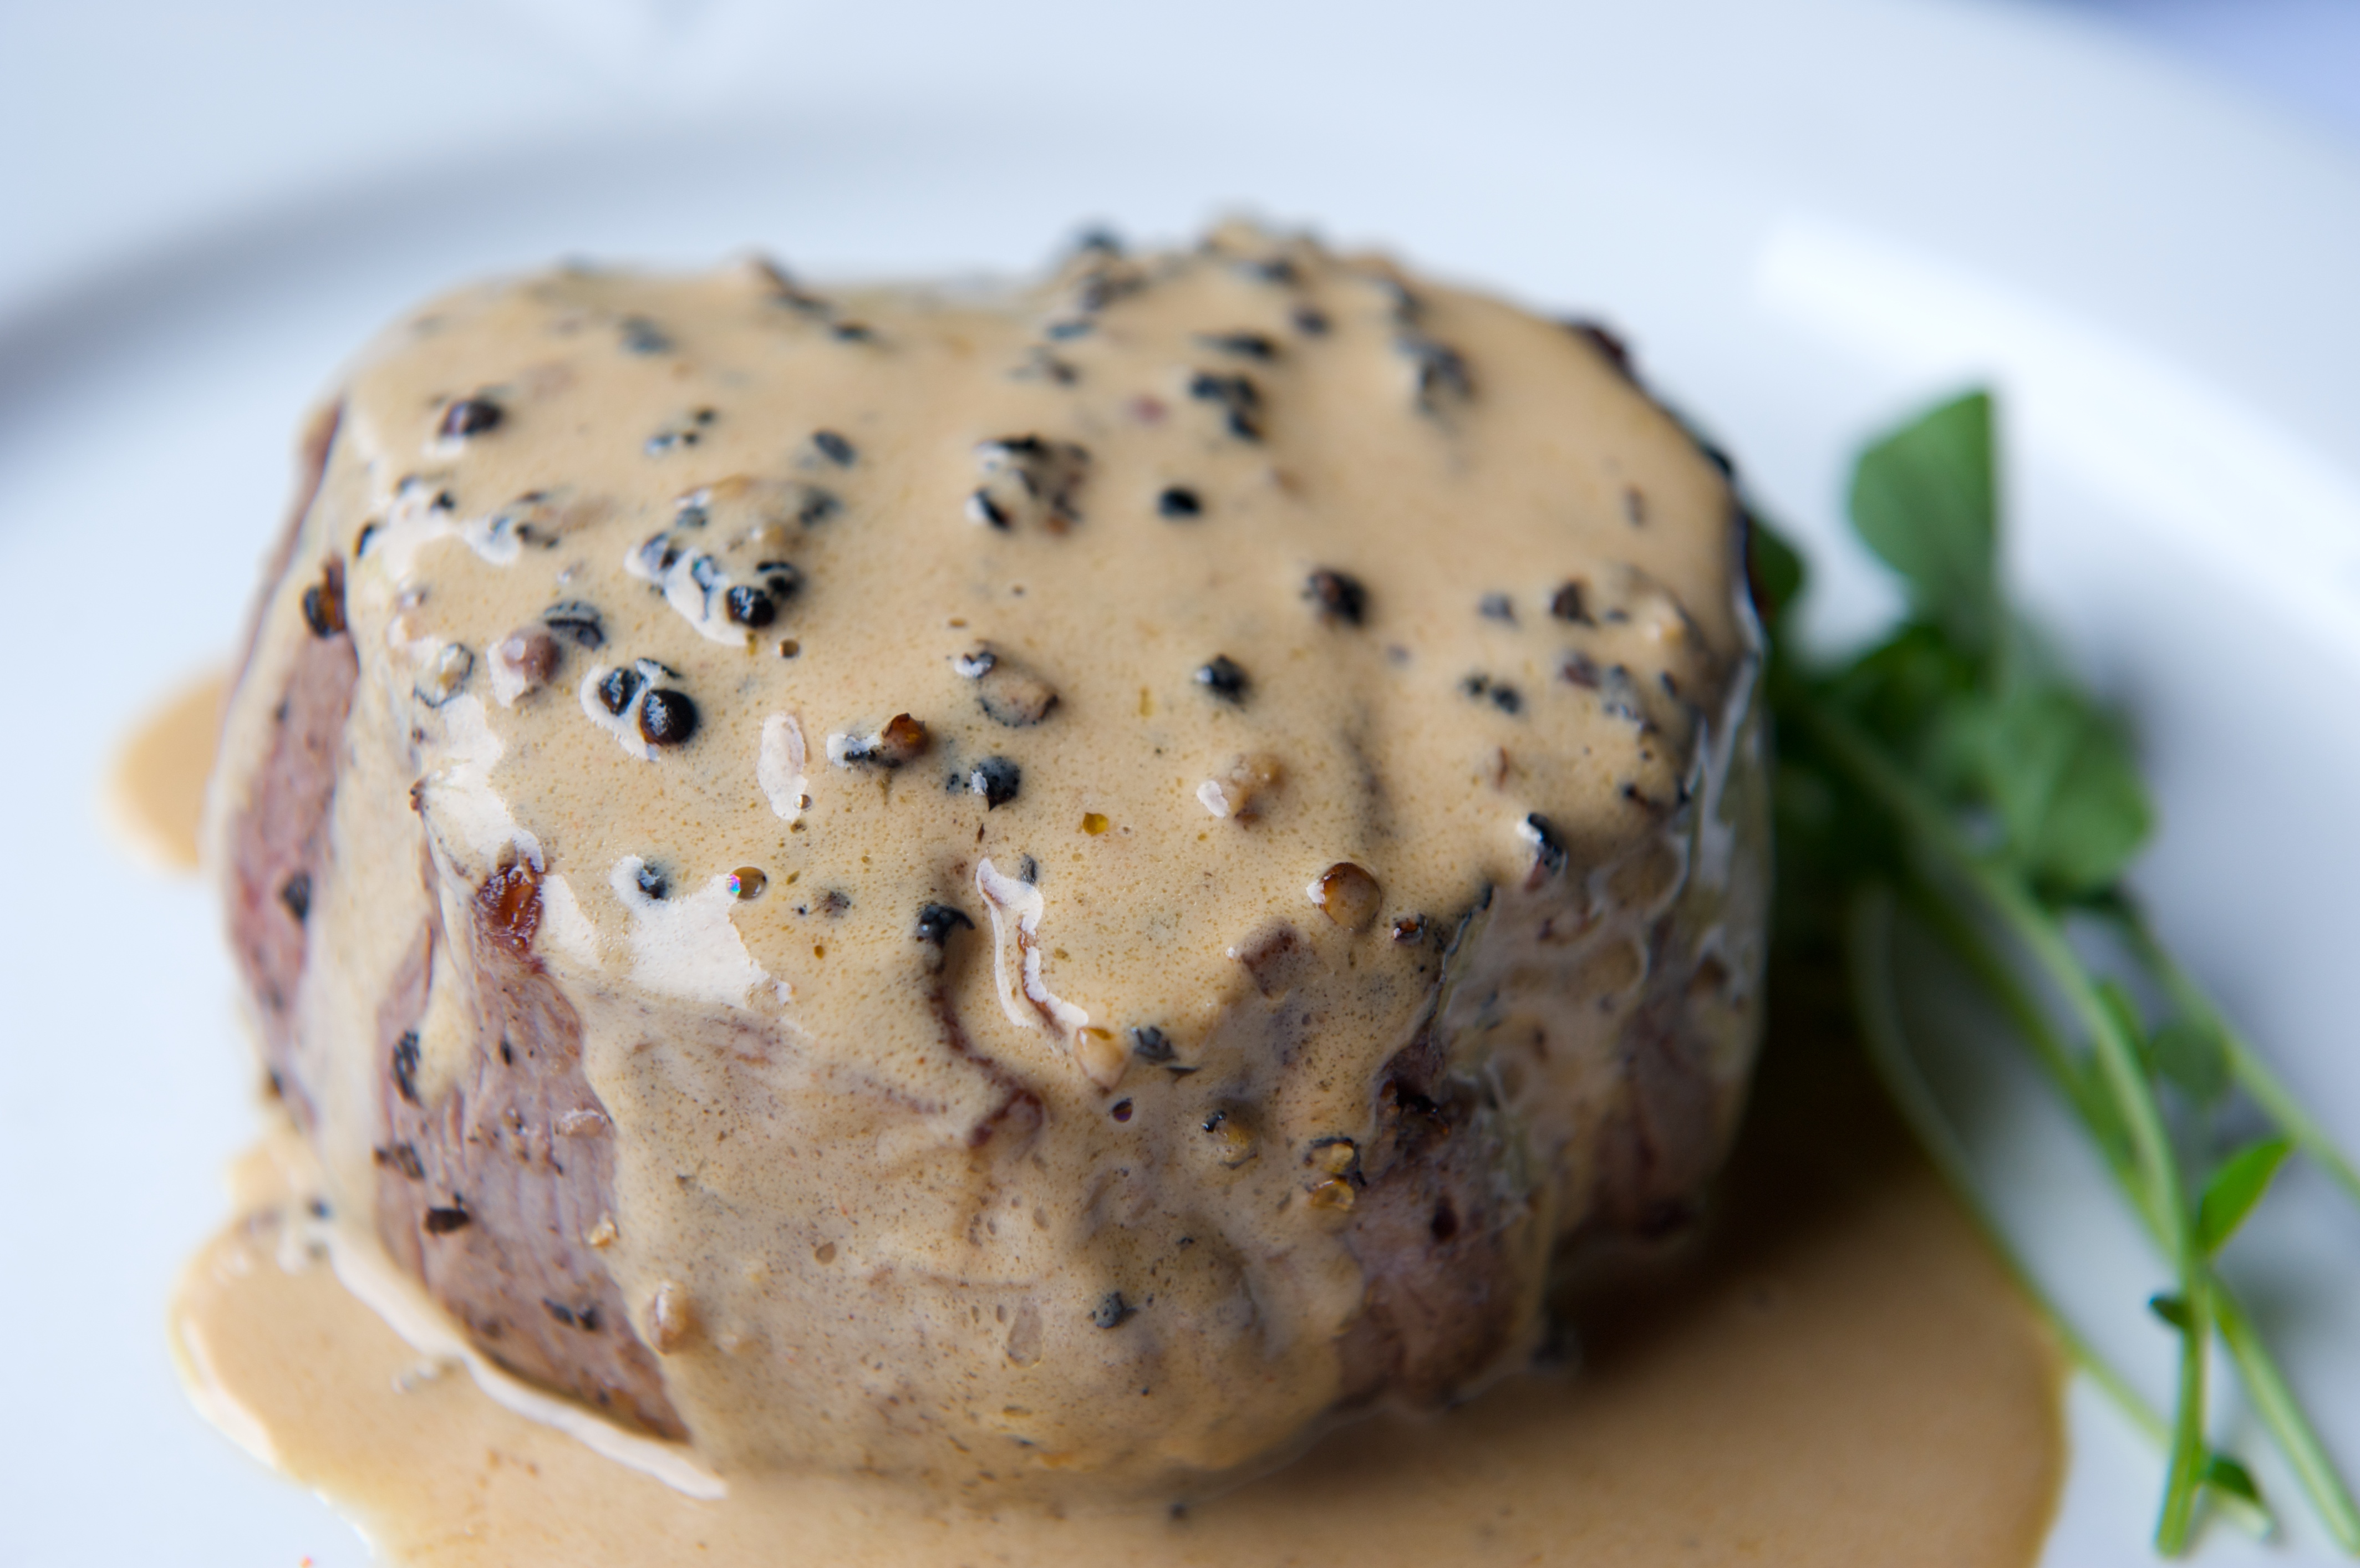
(1956, 762)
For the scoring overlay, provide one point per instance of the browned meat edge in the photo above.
(490, 1193)
(480, 1195)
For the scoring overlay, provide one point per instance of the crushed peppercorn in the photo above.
(1340, 597)
(997, 779)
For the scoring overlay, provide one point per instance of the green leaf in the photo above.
(1924, 499)
(2190, 1054)
(1774, 569)
(2098, 818)
(2234, 1189)
(2059, 773)
(2171, 1309)
(2223, 1474)
(1906, 686)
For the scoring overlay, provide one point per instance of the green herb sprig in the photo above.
(1957, 764)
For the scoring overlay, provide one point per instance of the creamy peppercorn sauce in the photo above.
(1006, 783)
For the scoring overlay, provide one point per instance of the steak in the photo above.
(1026, 893)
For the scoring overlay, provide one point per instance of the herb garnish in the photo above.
(1956, 776)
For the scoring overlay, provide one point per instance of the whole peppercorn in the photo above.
(468, 417)
(1223, 678)
(1340, 597)
(576, 622)
(666, 717)
(749, 606)
(618, 687)
(1245, 345)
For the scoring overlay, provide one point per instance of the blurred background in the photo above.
(2301, 57)
(163, 125)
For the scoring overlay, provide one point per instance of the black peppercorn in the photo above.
(834, 448)
(296, 894)
(469, 417)
(1548, 846)
(1246, 345)
(1223, 677)
(1340, 597)
(667, 717)
(748, 606)
(1607, 342)
(643, 336)
(618, 687)
(577, 622)
(1237, 396)
(997, 779)
(938, 922)
(816, 506)
(405, 1065)
(1179, 502)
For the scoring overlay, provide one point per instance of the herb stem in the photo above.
(2275, 1402)
(1868, 952)
(2266, 1384)
(2245, 1065)
(1926, 822)
(1982, 961)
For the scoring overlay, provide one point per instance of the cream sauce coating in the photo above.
(1192, 625)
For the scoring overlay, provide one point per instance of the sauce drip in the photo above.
(155, 791)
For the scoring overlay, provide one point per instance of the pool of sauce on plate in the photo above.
(155, 789)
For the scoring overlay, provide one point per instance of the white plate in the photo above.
(1808, 215)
